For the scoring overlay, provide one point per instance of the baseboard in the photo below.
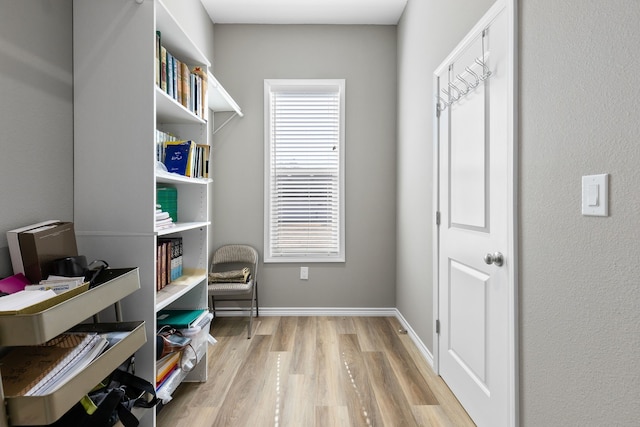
(326, 311)
(414, 337)
(340, 311)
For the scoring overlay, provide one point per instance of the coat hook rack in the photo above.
(466, 81)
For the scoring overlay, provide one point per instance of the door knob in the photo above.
(494, 258)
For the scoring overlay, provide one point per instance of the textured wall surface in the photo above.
(365, 56)
(36, 115)
(580, 276)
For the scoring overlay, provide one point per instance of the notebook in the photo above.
(24, 367)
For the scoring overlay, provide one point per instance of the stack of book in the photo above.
(169, 261)
(186, 84)
(187, 158)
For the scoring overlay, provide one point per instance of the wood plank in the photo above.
(329, 376)
(431, 416)
(298, 407)
(394, 407)
(361, 402)
(285, 334)
(334, 416)
(305, 347)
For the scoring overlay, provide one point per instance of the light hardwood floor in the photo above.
(314, 372)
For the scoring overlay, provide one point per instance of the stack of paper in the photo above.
(22, 299)
(163, 220)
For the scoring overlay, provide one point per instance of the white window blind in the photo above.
(304, 198)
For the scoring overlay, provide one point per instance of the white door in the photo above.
(476, 350)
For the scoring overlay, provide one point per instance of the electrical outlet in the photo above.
(304, 273)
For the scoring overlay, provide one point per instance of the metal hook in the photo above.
(485, 69)
(441, 104)
(475, 76)
(466, 83)
(457, 89)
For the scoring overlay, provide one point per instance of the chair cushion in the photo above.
(235, 276)
(216, 288)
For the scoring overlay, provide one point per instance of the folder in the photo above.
(179, 319)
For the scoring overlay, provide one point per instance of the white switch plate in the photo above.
(304, 273)
(595, 195)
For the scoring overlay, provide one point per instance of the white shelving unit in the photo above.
(117, 108)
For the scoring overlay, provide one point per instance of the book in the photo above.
(174, 257)
(83, 356)
(204, 159)
(202, 75)
(14, 244)
(158, 42)
(25, 367)
(163, 68)
(178, 156)
(165, 366)
(184, 81)
(170, 74)
(179, 319)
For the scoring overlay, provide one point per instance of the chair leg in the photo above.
(251, 315)
(257, 305)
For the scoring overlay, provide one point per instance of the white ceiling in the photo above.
(376, 12)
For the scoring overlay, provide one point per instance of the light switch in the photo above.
(592, 195)
(595, 195)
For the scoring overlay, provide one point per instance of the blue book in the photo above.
(176, 156)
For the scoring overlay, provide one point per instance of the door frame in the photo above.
(510, 7)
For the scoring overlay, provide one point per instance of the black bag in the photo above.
(114, 403)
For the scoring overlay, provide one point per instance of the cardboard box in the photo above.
(44, 244)
(14, 244)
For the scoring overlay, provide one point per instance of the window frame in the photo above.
(271, 85)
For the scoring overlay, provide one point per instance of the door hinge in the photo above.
(438, 218)
(437, 326)
(437, 110)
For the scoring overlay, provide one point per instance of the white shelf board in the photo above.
(168, 110)
(179, 287)
(182, 226)
(219, 98)
(176, 40)
(174, 178)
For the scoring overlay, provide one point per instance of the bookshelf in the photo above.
(117, 109)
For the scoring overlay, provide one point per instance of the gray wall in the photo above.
(36, 115)
(195, 21)
(427, 33)
(580, 293)
(365, 56)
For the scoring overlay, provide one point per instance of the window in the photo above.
(304, 170)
